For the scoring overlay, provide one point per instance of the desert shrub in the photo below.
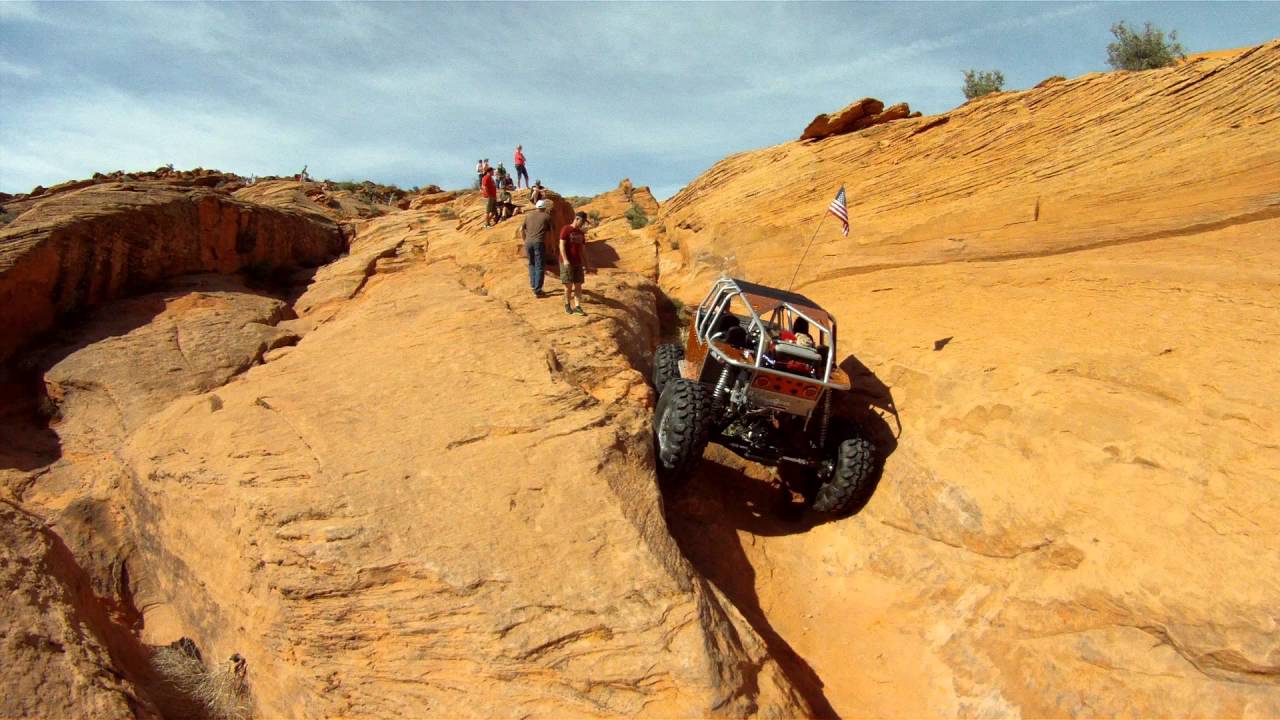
(578, 200)
(982, 82)
(1145, 51)
(6, 218)
(348, 185)
(594, 216)
(635, 215)
(189, 689)
(448, 213)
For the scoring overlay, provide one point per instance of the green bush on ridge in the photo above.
(982, 82)
(1142, 51)
(635, 215)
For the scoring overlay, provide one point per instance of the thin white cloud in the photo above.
(11, 10)
(414, 92)
(22, 72)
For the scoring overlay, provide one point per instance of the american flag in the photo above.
(839, 210)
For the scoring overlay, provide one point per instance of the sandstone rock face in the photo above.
(440, 502)
(150, 349)
(856, 116)
(323, 199)
(79, 249)
(613, 205)
(842, 121)
(57, 662)
(1060, 306)
(613, 242)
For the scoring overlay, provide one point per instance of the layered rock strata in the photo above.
(82, 248)
(1060, 308)
(439, 501)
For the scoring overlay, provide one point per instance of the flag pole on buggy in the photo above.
(837, 208)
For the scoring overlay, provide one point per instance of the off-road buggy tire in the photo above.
(681, 426)
(855, 463)
(666, 365)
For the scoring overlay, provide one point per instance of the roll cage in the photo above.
(783, 309)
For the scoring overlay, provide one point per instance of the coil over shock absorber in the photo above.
(826, 419)
(720, 397)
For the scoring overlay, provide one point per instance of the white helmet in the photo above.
(541, 204)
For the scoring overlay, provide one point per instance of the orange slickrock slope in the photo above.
(1065, 305)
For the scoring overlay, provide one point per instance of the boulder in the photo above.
(842, 121)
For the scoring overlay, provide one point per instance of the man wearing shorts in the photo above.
(573, 263)
(489, 189)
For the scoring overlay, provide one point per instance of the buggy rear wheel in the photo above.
(854, 464)
(681, 424)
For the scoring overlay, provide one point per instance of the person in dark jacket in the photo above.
(536, 229)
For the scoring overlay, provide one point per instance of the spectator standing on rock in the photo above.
(573, 263)
(521, 172)
(489, 189)
(537, 226)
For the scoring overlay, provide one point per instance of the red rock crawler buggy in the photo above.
(756, 375)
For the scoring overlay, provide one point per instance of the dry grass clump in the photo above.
(192, 690)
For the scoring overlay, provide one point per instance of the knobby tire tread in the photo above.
(855, 462)
(687, 434)
(666, 365)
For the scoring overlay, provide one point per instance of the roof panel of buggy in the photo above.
(764, 299)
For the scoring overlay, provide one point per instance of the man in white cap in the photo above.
(536, 229)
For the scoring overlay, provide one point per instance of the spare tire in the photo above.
(854, 464)
(681, 425)
(666, 365)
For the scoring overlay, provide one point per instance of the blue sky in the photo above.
(415, 93)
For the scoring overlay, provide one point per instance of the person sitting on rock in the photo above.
(537, 192)
(506, 208)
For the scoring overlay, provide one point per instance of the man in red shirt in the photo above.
(521, 172)
(573, 262)
(489, 189)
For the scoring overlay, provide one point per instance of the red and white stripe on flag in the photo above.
(839, 210)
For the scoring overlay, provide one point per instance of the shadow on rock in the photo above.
(25, 414)
(704, 517)
(599, 254)
(601, 299)
(870, 403)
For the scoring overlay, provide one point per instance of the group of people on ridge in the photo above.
(496, 184)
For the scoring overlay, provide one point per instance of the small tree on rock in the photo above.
(636, 216)
(1145, 51)
(982, 82)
